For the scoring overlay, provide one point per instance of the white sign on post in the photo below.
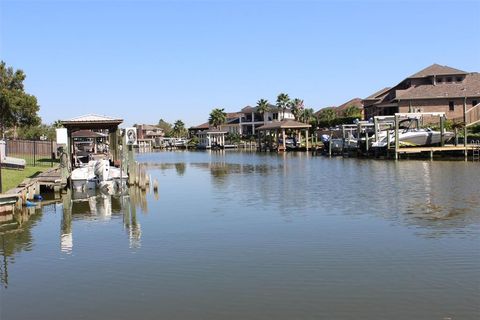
(131, 136)
(62, 136)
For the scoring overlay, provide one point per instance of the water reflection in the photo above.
(436, 196)
(102, 207)
(16, 231)
(16, 236)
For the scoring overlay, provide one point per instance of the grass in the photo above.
(13, 177)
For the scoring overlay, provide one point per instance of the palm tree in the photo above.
(263, 107)
(217, 117)
(283, 102)
(57, 124)
(297, 108)
(178, 129)
(306, 115)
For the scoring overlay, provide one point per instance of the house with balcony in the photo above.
(251, 119)
(434, 89)
(246, 121)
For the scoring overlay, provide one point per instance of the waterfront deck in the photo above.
(448, 149)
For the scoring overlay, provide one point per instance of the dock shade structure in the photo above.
(81, 126)
(209, 139)
(275, 128)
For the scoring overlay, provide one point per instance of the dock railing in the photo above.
(472, 115)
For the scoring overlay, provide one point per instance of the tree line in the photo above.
(326, 117)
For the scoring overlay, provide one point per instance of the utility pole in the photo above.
(1, 189)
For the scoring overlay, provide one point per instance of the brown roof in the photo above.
(233, 115)
(377, 94)
(436, 70)
(149, 127)
(284, 124)
(205, 125)
(248, 109)
(469, 87)
(323, 109)
(356, 102)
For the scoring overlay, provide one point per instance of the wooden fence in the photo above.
(35, 153)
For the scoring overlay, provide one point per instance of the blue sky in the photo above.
(146, 60)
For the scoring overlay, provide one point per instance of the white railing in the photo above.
(472, 116)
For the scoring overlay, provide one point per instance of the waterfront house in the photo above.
(355, 102)
(251, 119)
(246, 121)
(149, 135)
(434, 89)
(341, 109)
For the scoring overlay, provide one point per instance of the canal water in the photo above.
(239, 235)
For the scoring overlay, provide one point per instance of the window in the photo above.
(439, 80)
(474, 103)
(459, 79)
(449, 79)
(451, 106)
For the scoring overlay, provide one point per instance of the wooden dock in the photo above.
(51, 179)
(444, 149)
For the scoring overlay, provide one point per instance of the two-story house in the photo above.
(252, 119)
(434, 89)
(149, 135)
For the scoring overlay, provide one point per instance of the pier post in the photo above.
(465, 126)
(442, 129)
(397, 143)
(330, 145)
(306, 135)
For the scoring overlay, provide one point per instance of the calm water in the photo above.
(245, 236)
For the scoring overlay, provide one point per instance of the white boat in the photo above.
(414, 138)
(84, 178)
(98, 174)
(110, 179)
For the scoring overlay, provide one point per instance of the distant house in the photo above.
(246, 121)
(340, 110)
(434, 89)
(355, 102)
(149, 135)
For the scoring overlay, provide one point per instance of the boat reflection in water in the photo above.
(94, 205)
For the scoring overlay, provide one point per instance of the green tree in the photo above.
(217, 117)
(326, 117)
(306, 115)
(283, 103)
(263, 107)
(179, 129)
(57, 124)
(233, 137)
(352, 112)
(165, 126)
(38, 132)
(297, 108)
(17, 108)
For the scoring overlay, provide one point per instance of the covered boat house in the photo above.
(94, 130)
(269, 137)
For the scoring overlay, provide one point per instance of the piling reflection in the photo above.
(102, 207)
(16, 236)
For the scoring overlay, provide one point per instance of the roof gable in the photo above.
(436, 69)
